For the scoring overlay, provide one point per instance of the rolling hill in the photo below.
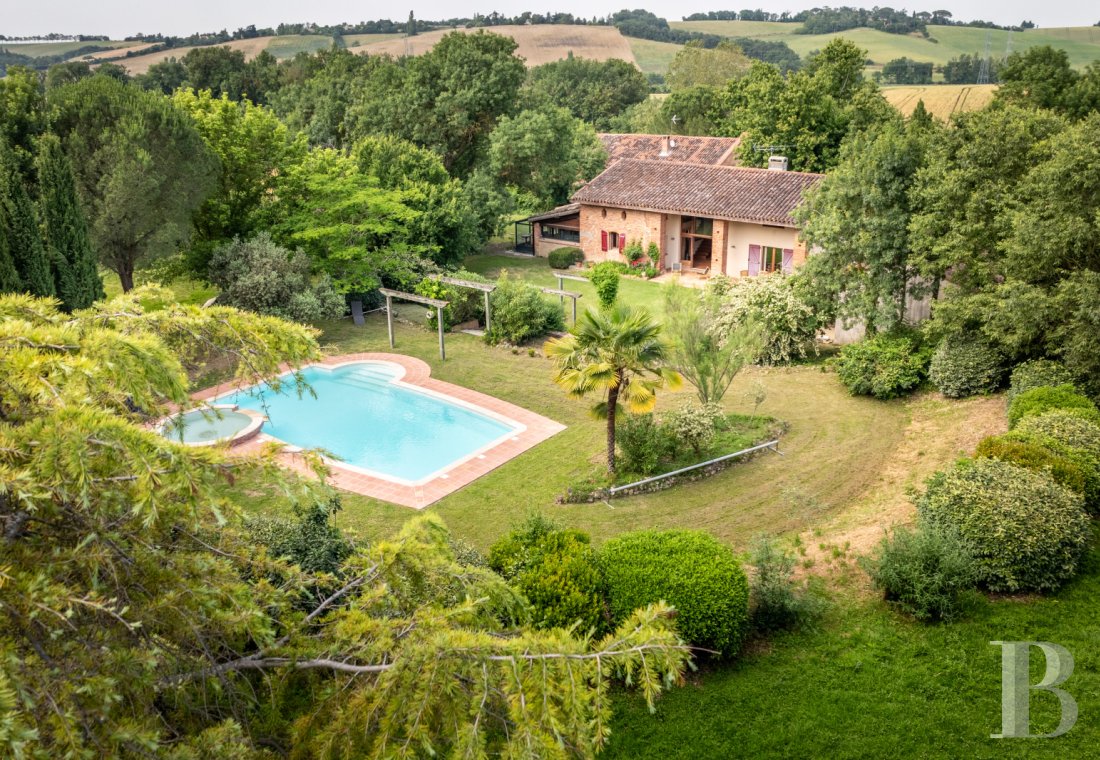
(538, 44)
(945, 42)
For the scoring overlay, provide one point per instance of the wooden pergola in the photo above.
(434, 302)
(488, 288)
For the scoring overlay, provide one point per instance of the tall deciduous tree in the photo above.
(696, 65)
(142, 168)
(618, 354)
(19, 224)
(593, 91)
(545, 153)
(354, 230)
(76, 273)
(859, 219)
(253, 147)
(965, 195)
(448, 99)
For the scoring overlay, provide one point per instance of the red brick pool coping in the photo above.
(418, 373)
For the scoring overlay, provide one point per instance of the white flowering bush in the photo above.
(788, 322)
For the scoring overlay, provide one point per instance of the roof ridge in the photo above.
(724, 167)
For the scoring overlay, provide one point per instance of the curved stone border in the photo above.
(534, 430)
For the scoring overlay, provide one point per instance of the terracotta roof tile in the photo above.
(720, 192)
(684, 148)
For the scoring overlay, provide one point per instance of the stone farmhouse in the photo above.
(705, 215)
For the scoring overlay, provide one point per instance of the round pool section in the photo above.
(206, 427)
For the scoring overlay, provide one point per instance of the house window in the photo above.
(613, 240)
(550, 232)
(771, 259)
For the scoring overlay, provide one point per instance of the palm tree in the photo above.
(619, 351)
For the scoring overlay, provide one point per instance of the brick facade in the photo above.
(643, 227)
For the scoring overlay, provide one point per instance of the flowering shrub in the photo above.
(788, 323)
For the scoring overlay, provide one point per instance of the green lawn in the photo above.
(37, 49)
(870, 683)
(536, 270)
(290, 45)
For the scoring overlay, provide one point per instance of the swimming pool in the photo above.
(206, 427)
(370, 421)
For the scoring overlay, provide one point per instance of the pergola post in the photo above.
(488, 312)
(439, 321)
(561, 286)
(389, 317)
(438, 305)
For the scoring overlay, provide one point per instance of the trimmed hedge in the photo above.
(1026, 532)
(1036, 401)
(1037, 373)
(563, 258)
(1035, 457)
(965, 365)
(1075, 435)
(690, 570)
(884, 366)
(556, 570)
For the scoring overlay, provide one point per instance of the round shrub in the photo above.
(519, 312)
(1035, 401)
(563, 258)
(965, 365)
(885, 366)
(1036, 374)
(926, 572)
(556, 570)
(1075, 435)
(1032, 456)
(1026, 532)
(690, 570)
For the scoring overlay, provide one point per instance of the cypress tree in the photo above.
(10, 282)
(25, 242)
(70, 247)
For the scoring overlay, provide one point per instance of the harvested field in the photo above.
(941, 100)
(139, 64)
(537, 44)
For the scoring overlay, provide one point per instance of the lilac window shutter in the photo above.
(788, 260)
(754, 260)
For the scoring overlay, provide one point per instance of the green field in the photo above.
(290, 45)
(37, 49)
(1081, 43)
(653, 57)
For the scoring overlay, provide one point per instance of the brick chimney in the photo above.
(665, 145)
(777, 163)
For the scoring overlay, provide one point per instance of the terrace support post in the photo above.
(561, 299)
(439, 321)
(488, 311)
(574, 311)
(389, 318)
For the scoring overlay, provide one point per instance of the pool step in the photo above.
(366, 382)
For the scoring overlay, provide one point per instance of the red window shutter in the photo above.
(603, 240)
(622, 240)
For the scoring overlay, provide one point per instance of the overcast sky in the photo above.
(120, 18)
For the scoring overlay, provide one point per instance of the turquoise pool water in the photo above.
(366, 420)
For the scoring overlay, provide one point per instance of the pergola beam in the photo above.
(562, 295)
(439, 307)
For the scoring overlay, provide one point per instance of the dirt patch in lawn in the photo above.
(940, 431)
